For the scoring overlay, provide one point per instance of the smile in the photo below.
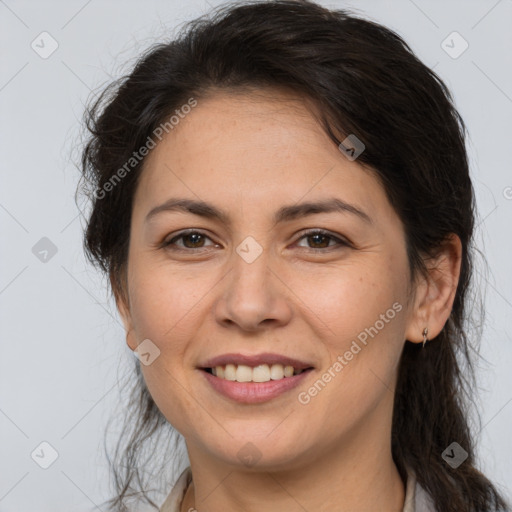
(256, 378)
(260, 373)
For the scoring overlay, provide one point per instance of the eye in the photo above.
(321, 239)
(191, 239)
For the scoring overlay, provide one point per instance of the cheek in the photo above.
(166, 308)
(351, 299)
(366, 318)
(365, 312)
(164, 315)
(167, 386)
(166, 302)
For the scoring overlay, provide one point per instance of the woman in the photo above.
(283, 206)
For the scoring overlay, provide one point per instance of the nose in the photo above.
(253, 296)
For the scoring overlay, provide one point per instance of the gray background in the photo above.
(63, 345)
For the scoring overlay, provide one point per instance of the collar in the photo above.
(416, 498)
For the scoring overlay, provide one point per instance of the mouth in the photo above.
(261, 373)
(254, 379)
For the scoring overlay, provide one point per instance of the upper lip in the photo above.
(255, 360)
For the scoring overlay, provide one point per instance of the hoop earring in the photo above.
(425, 332)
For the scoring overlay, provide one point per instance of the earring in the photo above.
(425, 332)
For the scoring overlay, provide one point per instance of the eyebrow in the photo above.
(284, 214)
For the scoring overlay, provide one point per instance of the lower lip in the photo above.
(254, 392)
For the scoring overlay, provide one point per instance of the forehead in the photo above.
(235, 127)
(255, 146)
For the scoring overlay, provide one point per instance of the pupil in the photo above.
(195, 236)
(319, 236)
(196, 239)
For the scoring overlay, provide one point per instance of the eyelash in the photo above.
(342, 243)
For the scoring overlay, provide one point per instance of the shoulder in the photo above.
(173, 502)
(417, 499)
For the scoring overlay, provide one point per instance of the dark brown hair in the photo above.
(363, 79)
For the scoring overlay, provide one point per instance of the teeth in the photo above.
(261, 373)
(229, 372)
(243, 373)
(276, 371)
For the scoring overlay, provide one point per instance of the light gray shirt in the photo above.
(416, 498)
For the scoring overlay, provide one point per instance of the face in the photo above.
(267, 283)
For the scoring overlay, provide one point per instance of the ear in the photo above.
(435, 292)
(122, 304)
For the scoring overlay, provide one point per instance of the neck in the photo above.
(358, 477)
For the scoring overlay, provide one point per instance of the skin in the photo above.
(249, 154)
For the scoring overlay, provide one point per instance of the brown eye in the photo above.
(189, 240)
(319, 239)
(195, 239)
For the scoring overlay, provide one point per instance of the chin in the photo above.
(260, 448)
